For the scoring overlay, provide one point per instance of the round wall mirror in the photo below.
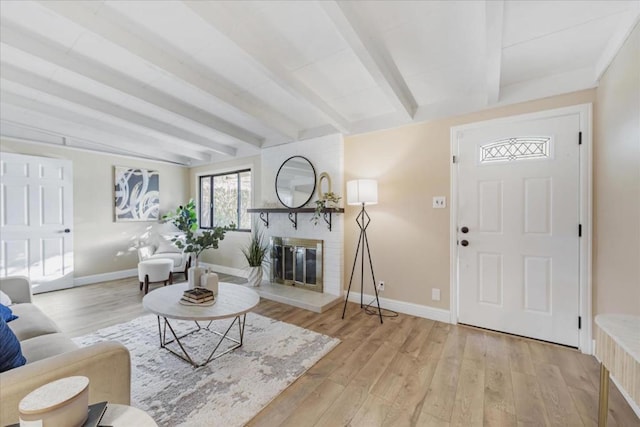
(295, 182)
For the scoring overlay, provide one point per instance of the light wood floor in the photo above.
(408, 372)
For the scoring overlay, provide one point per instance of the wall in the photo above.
(409, 239)
(326, 155)
(102, 245)
(228, 257)
(616, 249)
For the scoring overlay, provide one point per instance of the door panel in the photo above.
(518, 193)
(37, 208)
(537, 284)
(15, 211)
(490, 206)
(537, 205)
(490, 274)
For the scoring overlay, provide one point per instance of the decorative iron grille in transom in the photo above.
(519, 148)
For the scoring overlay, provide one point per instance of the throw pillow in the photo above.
(11, 354)
(5, 299)
(6, 314)
(166, 247)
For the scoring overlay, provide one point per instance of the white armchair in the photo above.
(165, 249)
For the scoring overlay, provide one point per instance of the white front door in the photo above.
(518, 226)
(36, 219)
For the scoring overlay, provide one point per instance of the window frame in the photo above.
(210, 177)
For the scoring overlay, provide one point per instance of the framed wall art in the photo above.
(137, 194)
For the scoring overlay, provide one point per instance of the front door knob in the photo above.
(464, 243)
(465, 229)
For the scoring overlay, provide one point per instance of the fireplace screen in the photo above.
(297, 262)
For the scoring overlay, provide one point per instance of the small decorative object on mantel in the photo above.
(329, 200)
(321, 178)
(60, 403)
(256, 255)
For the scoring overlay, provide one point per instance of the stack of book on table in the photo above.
(197, 296)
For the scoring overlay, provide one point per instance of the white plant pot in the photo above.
(255, 276)
(195, 273)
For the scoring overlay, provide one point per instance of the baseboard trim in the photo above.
(406, 307)
(226, 270)
(634, 407)
(104, 277)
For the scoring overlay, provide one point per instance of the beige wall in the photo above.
(102, 245)
(228, 253)
(409, 239)
(616, 249)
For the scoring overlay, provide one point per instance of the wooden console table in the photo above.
(618, 349)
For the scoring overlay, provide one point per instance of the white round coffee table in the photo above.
(232, 301)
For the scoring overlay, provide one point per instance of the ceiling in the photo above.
(193, 82)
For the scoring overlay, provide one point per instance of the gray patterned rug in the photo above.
(230, 390)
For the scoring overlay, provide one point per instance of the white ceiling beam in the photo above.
(269, 66)
(372, 54)
(25, 112)
(99, 121)
(27, 134)
(624, 29)
(108, 25)
(28, 79)
(494, 21)
(51, 52)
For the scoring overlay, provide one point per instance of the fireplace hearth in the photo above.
(297, 262)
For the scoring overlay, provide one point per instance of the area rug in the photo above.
(230, 390)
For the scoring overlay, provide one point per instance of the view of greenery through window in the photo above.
(224, 200)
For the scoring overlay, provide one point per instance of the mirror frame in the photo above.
(314, 182)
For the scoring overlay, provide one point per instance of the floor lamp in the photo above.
(362, 192)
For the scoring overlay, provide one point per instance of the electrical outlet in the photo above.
(439, 202)
(435, 294)
(381, 286)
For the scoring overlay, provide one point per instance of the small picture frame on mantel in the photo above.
(322, 186)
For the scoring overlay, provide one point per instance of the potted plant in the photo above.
(191, 241)
(184, 217)
(328, 200)
(196, 243)
(256, 255)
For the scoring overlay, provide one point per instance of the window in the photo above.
(515, 149)
(224, 200)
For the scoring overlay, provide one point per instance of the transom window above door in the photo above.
(517, 148)
(224, 199)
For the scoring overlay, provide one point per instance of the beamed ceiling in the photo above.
(193, 82)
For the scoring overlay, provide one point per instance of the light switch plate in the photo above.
(439, 202)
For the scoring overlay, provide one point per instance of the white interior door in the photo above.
(518, 257)
(36, 208)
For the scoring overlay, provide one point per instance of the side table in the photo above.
(618, 349)
(126, 416)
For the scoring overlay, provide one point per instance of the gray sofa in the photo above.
(52, 355)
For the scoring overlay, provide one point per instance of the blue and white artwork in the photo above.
(137, 194)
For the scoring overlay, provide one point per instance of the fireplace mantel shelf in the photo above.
(293, 214)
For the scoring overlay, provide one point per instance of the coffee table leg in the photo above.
(241, 321)
(223, 336)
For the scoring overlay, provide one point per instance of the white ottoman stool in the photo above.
(154, 270)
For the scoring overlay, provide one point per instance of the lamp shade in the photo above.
(361, 191)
